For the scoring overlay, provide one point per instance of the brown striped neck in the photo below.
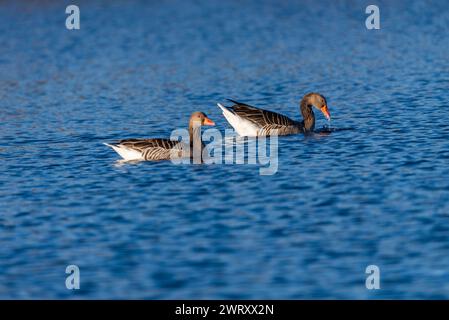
(196, 143)
(308, 115)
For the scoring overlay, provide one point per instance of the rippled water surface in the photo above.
(377, 194)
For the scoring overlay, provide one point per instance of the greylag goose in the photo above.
(165, 149)
(251, 121)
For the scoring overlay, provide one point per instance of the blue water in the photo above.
(378, 194)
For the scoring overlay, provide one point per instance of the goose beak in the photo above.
(325, 111)
(208, 122)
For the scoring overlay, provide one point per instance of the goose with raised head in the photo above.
(251, 121)
(165, 149)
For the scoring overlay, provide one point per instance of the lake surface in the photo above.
(375, 195)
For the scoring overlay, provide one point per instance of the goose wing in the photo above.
(143, 144)
(151, 149)
(265, 120)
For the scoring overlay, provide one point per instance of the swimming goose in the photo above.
(251, 121)
(165, 149)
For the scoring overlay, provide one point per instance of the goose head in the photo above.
(318, 101)
(198, 119)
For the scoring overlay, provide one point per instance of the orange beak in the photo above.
(208, 122)
(325, 111)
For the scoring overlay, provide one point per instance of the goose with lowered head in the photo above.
(251, 121)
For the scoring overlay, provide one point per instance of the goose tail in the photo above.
(109, 145)
(224, 109)
(242, 126)
(124, 152)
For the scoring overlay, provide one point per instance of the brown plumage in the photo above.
(153, 149)
(165, 149)
(251, 121)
